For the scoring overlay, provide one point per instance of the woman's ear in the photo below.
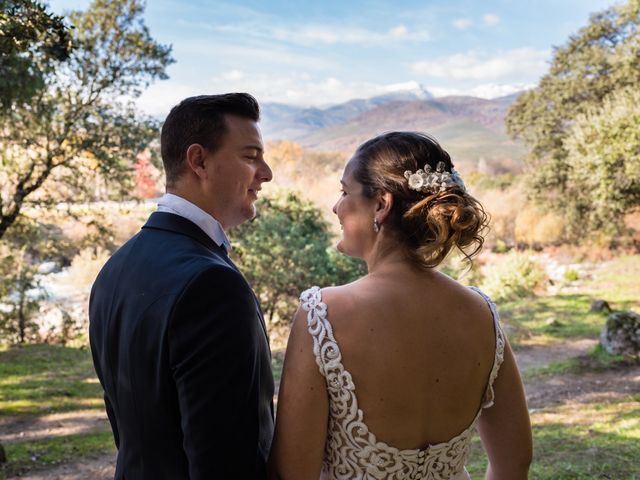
(383, 206)
(195, 159)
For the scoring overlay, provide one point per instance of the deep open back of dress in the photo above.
(352, 451)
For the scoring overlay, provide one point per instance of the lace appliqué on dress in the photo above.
(352, 451)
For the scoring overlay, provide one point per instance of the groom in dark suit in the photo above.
(177, 336)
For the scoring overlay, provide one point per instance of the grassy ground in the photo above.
(595, 439)
(547, 319)
(618, 283)
(581, 441)
(597, 360)
(543, 320)
(47, 452)
(44, 379)
(37, 379)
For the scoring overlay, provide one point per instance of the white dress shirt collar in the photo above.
(171, 203)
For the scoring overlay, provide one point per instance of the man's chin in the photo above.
(243, 216)
(250, 213)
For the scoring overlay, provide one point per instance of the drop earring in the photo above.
(376, 225)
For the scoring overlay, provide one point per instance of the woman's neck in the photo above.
(385, 255)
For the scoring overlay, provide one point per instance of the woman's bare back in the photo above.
(420, 348)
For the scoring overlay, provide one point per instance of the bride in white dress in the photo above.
(388, 377)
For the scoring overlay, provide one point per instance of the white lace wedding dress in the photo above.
(352, 451)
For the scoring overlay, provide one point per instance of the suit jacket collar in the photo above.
(172, 203)
(178, 224)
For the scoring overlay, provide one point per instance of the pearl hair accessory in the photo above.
(428, 181)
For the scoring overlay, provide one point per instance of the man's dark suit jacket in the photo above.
(180, 348)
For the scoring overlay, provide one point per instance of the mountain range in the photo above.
(471, 129)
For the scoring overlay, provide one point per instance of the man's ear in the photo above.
(196, 154)
(383, 206)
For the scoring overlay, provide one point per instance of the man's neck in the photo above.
(191, 194)
(173, 202)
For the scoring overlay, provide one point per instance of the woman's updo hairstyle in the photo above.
(427, 225)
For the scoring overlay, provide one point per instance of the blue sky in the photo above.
(320, 53)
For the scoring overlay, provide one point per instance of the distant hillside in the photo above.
(471, 129)
(287, 122)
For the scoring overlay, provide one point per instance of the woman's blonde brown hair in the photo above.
(427, 225)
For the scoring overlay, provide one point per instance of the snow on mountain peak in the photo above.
(411, 87)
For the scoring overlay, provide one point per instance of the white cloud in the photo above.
(233, 54)
(233, 75)
(462, 23)
(488, 90)
(160, 97)
(297, 88)
(332, 35)
(491, 19)
(492, 90)
(293, 88)
(399, 31)
(515, 65)
(325, 34)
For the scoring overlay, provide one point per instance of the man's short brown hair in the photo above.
(200, 120)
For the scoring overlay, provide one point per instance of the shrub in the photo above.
(550, 229)
(458, 268)
(500, 246)
(571, 275)
(287, 249)
(503, 207)
(534, 227)
(513, 276)
(344, 269)
(85, 267)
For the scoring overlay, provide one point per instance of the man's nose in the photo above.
(265, 173)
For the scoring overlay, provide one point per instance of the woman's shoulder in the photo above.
(333, 302)
(349, 296)
(382, 296)
(336, 294)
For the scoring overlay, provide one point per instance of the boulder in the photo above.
(600, 306)
(621, 334)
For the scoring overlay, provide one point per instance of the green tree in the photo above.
(344, 269)
(23, 304)
(57, 238)
(601, 59)
(32, 42)
(603, 149)
(22, 249)
(82, 127)
(285, 250)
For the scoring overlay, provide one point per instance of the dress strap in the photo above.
(325, 347)
(488, 398)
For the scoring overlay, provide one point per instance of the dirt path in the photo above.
(585, 387)
(22, 428)
(58, 424)
(92, 468)
(535, 357)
